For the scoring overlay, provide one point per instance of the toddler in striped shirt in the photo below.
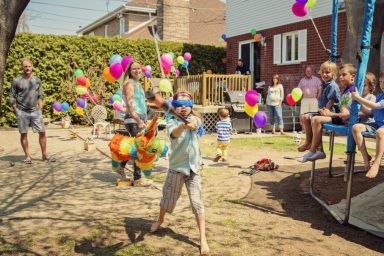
(223, 129)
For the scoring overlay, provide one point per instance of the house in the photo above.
(193, 21)
(291, 43)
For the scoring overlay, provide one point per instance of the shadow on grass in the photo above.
(285, 194)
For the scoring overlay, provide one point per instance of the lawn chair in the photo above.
(99, 114)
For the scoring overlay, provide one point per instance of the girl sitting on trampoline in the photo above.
(376, 127)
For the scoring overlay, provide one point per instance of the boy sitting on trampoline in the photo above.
(376, 127)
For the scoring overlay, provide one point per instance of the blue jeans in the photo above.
(275, 111)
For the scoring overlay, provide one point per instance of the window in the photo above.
(122, 24)
(290, 48)
(106, 30)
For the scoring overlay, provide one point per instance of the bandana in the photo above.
(182, 103)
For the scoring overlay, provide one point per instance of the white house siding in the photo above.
(243, 15)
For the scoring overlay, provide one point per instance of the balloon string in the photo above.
(318, 34)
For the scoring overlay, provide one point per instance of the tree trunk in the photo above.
(10, 12)
(355, 15)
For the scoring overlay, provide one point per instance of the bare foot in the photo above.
(304, 147)
(155, 226)
(204, 249)
(372, 173)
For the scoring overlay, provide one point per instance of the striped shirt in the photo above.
(223, 129)
(310, 86)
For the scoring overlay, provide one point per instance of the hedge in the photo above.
(55, 58)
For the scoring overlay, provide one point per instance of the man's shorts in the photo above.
(371, 128)
(309, 105)
(33, 119)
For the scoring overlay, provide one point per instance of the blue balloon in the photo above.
(115, 58)
(119, 92)
(185, 64)
(65, 106)
(223, 36)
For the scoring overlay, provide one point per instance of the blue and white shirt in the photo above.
(223, 129)
(378, 114)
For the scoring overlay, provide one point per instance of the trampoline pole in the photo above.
(350, 167)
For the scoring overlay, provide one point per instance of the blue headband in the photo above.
(182, 103)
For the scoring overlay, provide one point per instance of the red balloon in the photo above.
(290, 100)
(81, 80)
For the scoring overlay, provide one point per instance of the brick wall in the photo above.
(291, 74)
(173, 20)
(136, 19)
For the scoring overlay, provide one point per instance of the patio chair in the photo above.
(99, 114)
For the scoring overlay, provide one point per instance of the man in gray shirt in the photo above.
(26, 98)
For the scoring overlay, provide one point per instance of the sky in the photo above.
(66, 17)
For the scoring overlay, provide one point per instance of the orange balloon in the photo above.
(107, 75)
(87, 82)
(257, 37)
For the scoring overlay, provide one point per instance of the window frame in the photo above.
(284, 37)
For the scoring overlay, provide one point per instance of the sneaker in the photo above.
(217, 158)
(142, 183)
(224, 159)
(317, 155)
(306, 157)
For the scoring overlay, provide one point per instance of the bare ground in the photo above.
(72, 207)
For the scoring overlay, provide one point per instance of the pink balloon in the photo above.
(166, 60)
(176, 73)
(118, 106)
(116, 70)
(125, 62)
(251, 97)
(299, 10)
(187, 56)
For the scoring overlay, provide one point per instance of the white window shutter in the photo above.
(303, 45)
(277, 49)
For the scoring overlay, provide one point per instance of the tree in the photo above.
(10, 12)
(355, 15)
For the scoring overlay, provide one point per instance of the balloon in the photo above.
(78, 72)
(149, 68)
(118, 106)
(251, 98)
(296, 94)
(299, 10)
(258, 37)
(311, 3)
(119, 92)
(56, 112)
(302, 2)
(290, 100)
(80, 102)
(115, 59)
(125, 62)
(110, 99)
(173, 69)
(185, 64)
(147, 73)
(253, 31)
(180, 60)
(176, 73)
(166, 60)
(143, 69)
(224, 37)
(81, 80)
(187, 56)
(57, 106)
(79, 111)
(251, 111)
(107, 75)
(85, 95)
(165, 85)
(166, 71)
(87, 82)
(260, 119)
(65, 106)
(172, 54)
(94, 99)
(81, 90)
(116, 70)
(147, 172)
(116, 97)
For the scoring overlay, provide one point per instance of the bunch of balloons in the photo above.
(168, 64)
(300, 7)
(83, 83)
(184, 60)
(251, 108)
(118, 104)
(60, 107)
(294, 96)
(117, 66)
(146, 71)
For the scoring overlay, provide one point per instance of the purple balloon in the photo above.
(260, 119)
(125, 62)
(302, 2)
(147, 73)
(299, 10)
(116, 70)
(110, 99)
(80, 102)
(57, 106)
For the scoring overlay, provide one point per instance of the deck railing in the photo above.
(208, 89)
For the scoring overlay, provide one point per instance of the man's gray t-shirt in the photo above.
(26, 93)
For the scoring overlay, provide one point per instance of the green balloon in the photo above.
(253, 31)
(172, 54)
(310, 3)
(78, 72)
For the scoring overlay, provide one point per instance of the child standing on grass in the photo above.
(376, 127)
(347, 80)
(223, 129)
(184, 166)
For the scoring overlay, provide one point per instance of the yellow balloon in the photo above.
(79, 111)
(296, 94)
(310, 3)
(56, 112)
(251, 111)
(81, 90)
(165, 85)
(87, 82)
